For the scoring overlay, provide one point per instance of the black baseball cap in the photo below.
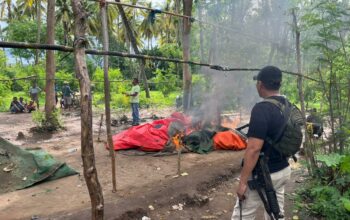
(269, 75)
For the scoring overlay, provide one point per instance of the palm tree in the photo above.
(27, 8)
(149, 27)
(8, 5)
(64, 15)
(132, 39)
(119, 30)
(167, 27)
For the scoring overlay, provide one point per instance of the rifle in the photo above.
(262, 183)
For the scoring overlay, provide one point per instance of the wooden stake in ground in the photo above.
(87, 147)
(177, 141)
(99, 129)
(179, 162)
(107, 92)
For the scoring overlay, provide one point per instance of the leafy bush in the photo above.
(166, 82)
(328, 195)
(113, 75)
(38, 118)
(42, 124)
(325, 201)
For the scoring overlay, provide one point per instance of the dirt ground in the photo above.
(146, 185)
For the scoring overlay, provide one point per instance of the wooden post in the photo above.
(107, 92)
(179, 162)
(99, 129)
(87, 147)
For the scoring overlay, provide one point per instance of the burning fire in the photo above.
(229, 123)
(177, 140)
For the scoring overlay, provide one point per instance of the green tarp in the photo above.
(21, 168)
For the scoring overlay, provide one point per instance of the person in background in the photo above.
(21, 100)
(30, 107)
(314, 124)
(266, 121)
(34, 94)
(23, 103)
(16, 106)
(67, 95)
(56, 93)
(134, 101)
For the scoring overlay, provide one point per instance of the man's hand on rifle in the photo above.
(242, 188)
(251, 156)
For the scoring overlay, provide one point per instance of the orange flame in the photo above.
(177, 140)
(229, 123)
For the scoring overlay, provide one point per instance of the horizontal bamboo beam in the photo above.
(22, 45)
(14, 79)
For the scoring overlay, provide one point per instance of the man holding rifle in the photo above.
(265, 171)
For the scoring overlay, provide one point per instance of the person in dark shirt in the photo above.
(16, 106)
(314, 124)
(67, 95)
(266, 121)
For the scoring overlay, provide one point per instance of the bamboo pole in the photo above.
(103, 9)
(21, 78)
(22, 45)
(87, 147)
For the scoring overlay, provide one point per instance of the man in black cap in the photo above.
(265, 122)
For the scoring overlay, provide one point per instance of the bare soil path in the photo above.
(145, 184)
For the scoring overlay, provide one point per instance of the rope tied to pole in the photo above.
(81, 41)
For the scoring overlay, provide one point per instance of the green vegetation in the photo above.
(41, 123)
(246, 36)
(328, 193)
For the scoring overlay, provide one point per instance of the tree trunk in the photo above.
(9, 12)
(201, 35)
(309, 153)
(38, 17)
(180, 22)
(187, 77)
(50, 101)
(87, 147)
(65, 34)
(134, 46)
(107, 92)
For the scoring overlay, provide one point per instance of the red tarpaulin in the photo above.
(153, 136)
(147, 137)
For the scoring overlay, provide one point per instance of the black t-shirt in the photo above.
(267, 120)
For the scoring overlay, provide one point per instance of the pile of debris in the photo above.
(194, 135)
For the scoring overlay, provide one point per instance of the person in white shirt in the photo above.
(134, 101)
(34, 94)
